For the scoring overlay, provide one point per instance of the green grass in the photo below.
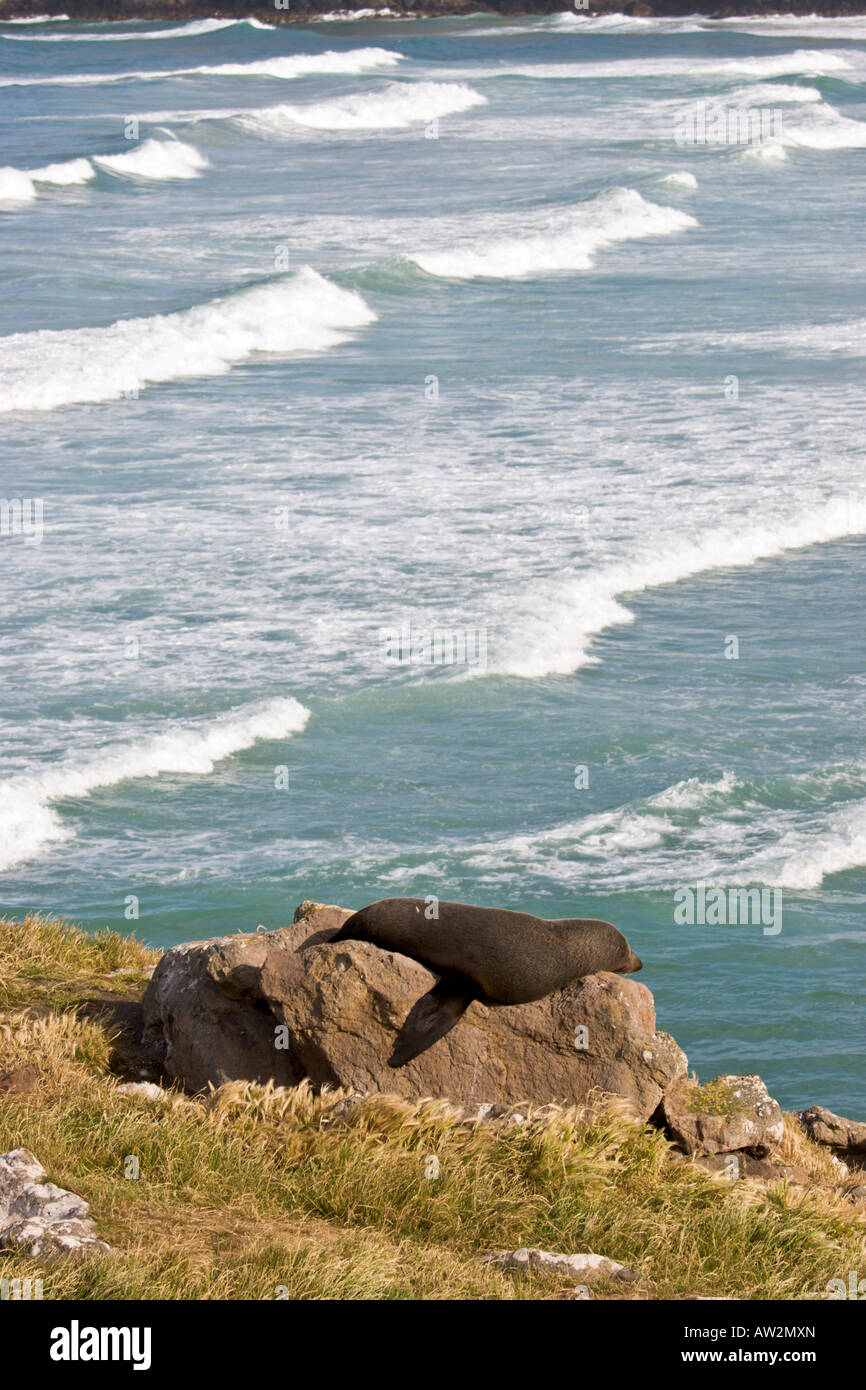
(48, 961)
(254, 1192)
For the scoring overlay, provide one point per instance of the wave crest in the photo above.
(559, 239)
(296, 313)
(156, 159)
(29, 821)
(399, 105)
(555, 624)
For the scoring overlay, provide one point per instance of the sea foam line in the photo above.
(184, 31)
(356, 60)
(29, 821)
(554, 624)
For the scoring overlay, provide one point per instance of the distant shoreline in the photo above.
(302, 11)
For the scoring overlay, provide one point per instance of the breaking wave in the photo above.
(152, 160)
(156, 159)
(21, 185)
(297, 65)
(804, 62)
(29, 821)
(556, 239)
(297, 313)
(183, 31)
(400, 104)
(553, 626)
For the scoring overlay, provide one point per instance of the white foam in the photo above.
(183, 31)
(847, 28)
(20, 185)
(846, 337)
(808, 852)
(39, 19)
(641, 840)
(557, 239)
(680, 178)
(803, 62)
(552, 627)
(343, 16)
(156, 159)
(71, 171)
(587, 25)
(819, 127)
(398, 105)
(766, 152)
(721, 832)
(295, 313)
(152, 159)
(29, 822)
(763, 93)
(16, 186)
(289, 67)
(308, 64)
(824, 128)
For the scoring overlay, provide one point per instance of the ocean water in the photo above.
(329, 349)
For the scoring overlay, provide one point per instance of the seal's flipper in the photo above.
(434, 1015)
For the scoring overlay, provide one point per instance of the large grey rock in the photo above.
(43, 1221)
(204, 1013)
(344, 1003)
(215, 1006)
(723, 1115)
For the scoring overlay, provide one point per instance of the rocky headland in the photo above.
(300, 11)
(171, 1119)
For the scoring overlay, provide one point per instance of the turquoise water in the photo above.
(300, 348)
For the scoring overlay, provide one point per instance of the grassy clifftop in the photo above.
(257, 1193)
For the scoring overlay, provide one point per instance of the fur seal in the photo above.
(485, 953)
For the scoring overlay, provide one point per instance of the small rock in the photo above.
(146, 1089)
(823, 1127)
(587, 1268)
(856, 1194)
(38, 1218)
(726, 1114)
(342, 1110)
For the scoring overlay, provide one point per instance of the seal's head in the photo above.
(619, 958)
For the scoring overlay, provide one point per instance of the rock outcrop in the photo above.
(724, 1115)
(42, 1220)
(847, 1138)
(205, 1019)
(226, 1008)
(305, 10)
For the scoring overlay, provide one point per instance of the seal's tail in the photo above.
(432, 1016)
